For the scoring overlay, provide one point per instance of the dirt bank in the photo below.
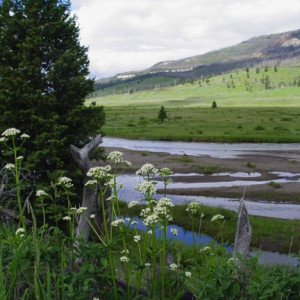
(261, 162)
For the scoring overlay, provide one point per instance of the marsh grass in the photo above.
(225, 124)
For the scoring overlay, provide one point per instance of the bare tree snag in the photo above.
(243, 232)
(81, 157)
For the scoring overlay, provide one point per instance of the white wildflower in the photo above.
(100, 173)
(25, 136)
(137, 238)
(147, 169)
(124, 259)
(188, 274)
(151, 219)
(117, 222)
(3, 139)
(112, 198)
(146, 187)
(40, 193)
(92, 216)
(173, 267)
(134, 223)
(165, 172)
(205, 249)
(127, 163)
(82, 209)
(125, 251)
(22, 235)
(67, 218)
(132, 204)
(147, 265)
(174, 231)
(91, 183)
(65, 182)
(193, 208)
(165, 202)
(116, 156)
(9, 167)
(20, 230)
(217, 217)
(20, 157)
(11, 132)
(128, 219)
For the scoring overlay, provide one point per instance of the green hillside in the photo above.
(262, 105)
(232, 89)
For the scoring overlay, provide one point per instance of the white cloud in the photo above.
(135, 34)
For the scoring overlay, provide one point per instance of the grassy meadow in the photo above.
(246, 110)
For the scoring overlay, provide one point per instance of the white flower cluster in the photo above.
(81, 209)
(151, 219)
(11, 132)
(165, 172)
(173, 267)
(124, 259)
(162, 209)
(132, 204)
(147, 169)
(91, 183)
(100, 173)
(174, 231)
(40, 193)
(137, 238)
(147, 187)
(117, 222)
(188, 274)
(67, 218)
(161, 212)
(25, 136)
(20, 231)
(217, 217)
(9, 167)
(205, 249)
(65, 182)
(193, 208)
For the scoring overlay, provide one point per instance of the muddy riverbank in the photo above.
(208, 170)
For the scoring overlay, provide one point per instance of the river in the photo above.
(216, 150)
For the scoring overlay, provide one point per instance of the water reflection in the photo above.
(186, 236)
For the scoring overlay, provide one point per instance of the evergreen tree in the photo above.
(162, 115)
(214, 104)
(43, 81)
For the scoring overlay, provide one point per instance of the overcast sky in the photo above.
(126, 35)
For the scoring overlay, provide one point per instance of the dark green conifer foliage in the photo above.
(162, 115)
(43, 81)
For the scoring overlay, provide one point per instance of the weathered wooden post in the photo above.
(243, 232)
(81, 157)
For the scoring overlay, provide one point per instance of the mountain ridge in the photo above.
(272, 49)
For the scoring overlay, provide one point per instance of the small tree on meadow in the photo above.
(214, 105)
(162, 115)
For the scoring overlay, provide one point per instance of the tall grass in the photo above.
(49, 262)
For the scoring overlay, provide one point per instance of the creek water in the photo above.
(265, 209)
(186, 236)
(217, 150)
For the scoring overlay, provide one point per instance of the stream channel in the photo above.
(216, 150)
